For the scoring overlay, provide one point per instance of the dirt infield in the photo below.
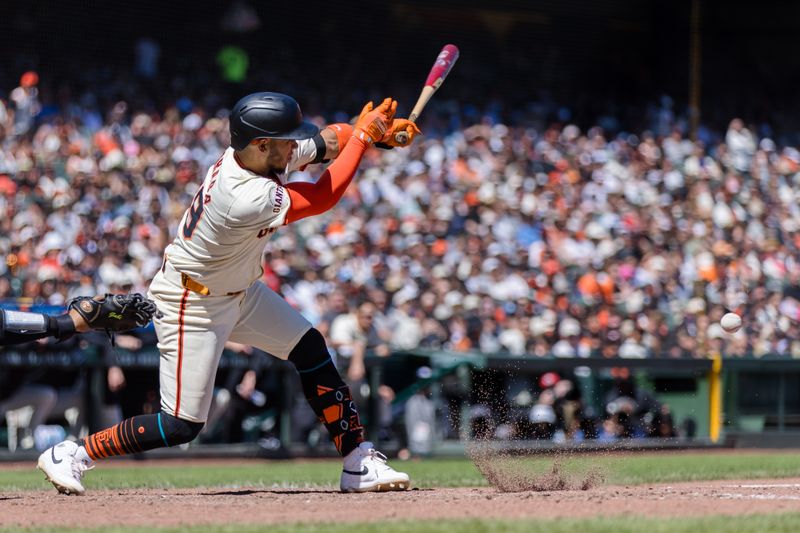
(176, 507)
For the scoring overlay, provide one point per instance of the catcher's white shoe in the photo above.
(63, 469)
(365, 470)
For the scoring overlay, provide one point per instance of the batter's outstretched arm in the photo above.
(309, 199)
(334, 138)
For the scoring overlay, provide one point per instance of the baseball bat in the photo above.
(441, 68)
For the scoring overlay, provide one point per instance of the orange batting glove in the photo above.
(399, 124)
(372, 124)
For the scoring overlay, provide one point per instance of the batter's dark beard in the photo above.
(276, 171)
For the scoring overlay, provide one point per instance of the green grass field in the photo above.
(629, 469)
(616, 470)
(781, 523)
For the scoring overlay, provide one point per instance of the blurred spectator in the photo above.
(15, 394)
(147, 54)
(26, 102)
(420, 418)
(353, 336)
(516, 237)
(635, 413)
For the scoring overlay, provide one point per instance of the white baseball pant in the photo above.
(194, 328)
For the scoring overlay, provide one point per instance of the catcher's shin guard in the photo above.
(326, 393)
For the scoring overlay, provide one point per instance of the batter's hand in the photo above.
(373, 123)
(399, 124)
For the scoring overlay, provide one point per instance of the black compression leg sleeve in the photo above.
(325, 391)
(139, 434)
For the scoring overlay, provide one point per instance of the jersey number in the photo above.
(193, 214)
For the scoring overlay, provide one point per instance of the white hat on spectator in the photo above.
(569, 327)
(453, 298)
(443, 212)
(595, 231)
(715, 331)
(406, 294)
(538, 326)
(544, 322)
(494, 249)
(541, 413)
(563, 348)
(631, 349)
(81, 208)
(440, 272)
(722, 215)
(120, 223)
(415, 168)
(695, 305)
(75, 254)
(409, 226)
(25, 234)
(606, 248)
(627, 327)
(124, 278)
(528, 204)
(52, 241)
(114, 159)
(413, 240)
(767, 144)
(371, 174)
(442, 312)
(61, 200)
(138, 250)
(22, 219)
(570, 132)
(317, 243)
(486, 192)
(192, 122)
(490, 264)
(326, 258)
(471, 301)
(634, 303)
(47, 272)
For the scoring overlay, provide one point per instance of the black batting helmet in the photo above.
(268, 115)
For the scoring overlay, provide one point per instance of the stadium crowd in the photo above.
(498, 232)
(524, 237)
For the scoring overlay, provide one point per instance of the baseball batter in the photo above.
(208, 290)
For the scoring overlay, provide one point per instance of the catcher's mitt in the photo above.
(115, 312)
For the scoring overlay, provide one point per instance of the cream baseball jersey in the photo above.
(222, 235)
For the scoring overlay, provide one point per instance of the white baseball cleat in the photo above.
(63, 469)
(365, 470)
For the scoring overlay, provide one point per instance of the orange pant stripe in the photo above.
(180, 351)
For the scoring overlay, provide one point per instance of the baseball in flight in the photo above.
(731, 322)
